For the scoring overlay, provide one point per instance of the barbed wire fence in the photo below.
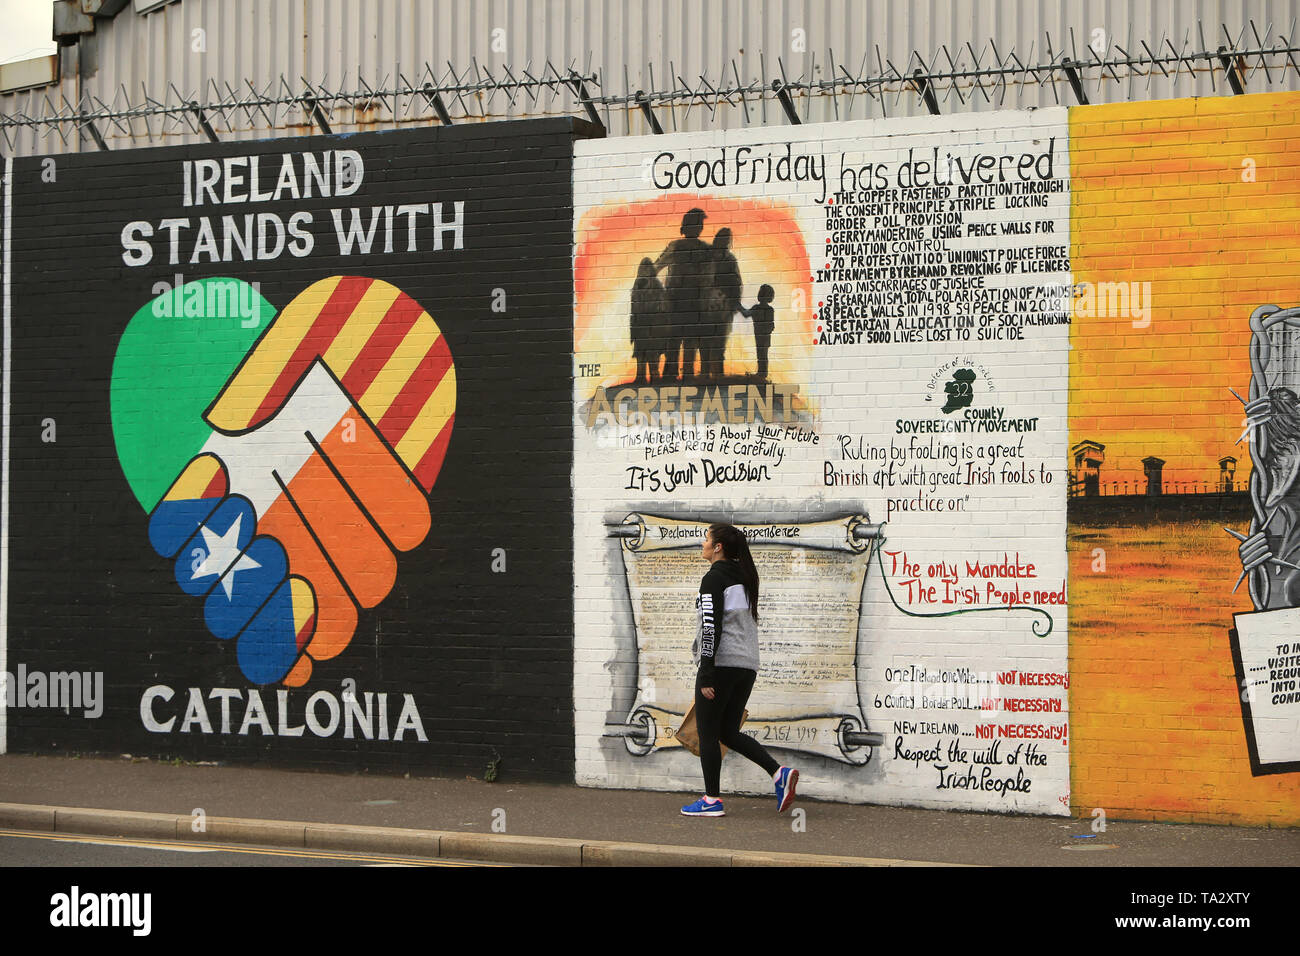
(948, 81)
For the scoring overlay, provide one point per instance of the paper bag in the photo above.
(688, 734)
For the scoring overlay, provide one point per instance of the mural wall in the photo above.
(1005, 408)
(396, 451)
(852, 342)
(275, 489)
(1182, 407)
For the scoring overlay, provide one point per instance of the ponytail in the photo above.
(736, 548)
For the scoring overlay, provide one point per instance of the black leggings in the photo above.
(718, 721)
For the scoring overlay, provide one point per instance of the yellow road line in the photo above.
(230, 848)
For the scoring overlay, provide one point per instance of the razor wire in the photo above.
(948, 80)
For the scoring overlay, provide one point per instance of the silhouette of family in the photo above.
(687, 319)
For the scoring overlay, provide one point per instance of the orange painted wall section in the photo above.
(1200, 198)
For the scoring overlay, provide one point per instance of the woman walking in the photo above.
(726, 650)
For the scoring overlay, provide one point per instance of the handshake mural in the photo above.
(293, 457)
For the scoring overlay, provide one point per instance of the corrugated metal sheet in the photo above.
(200, 47)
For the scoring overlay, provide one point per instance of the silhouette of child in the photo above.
(649, 323)
(764, 322)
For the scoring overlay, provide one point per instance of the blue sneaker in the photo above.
(702, 808)
(786, 779)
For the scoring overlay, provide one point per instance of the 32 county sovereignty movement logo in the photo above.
(283, 460)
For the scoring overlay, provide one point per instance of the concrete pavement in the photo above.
(565, 825)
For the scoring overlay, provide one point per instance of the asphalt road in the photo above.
(30, 849)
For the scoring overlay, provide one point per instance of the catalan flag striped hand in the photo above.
(325, 443)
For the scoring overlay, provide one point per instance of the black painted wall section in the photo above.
(485, 654)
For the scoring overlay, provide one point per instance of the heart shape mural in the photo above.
(283, 460)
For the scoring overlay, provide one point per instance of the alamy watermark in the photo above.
(1088, 300)
(77, 909)
(65, 690)
(1113, 300)
(215, 298)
